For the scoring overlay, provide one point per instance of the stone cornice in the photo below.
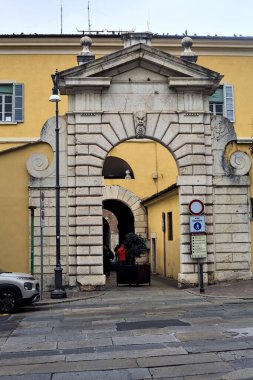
(205, 85)
(70, 84)
(104, 44)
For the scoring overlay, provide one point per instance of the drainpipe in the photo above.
(164, 243)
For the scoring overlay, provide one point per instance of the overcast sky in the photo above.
(203, 17)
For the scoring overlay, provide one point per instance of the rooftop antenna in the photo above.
(89, 27)
(61, 16)
(148, 21)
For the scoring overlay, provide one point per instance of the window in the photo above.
(11, 102)
(222, 102)
(170, 226)
(116, 168)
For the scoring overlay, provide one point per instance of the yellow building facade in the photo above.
(30, 61)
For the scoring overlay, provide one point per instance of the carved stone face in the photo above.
(140, 119)
(140, 123)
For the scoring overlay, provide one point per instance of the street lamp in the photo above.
(58, 291)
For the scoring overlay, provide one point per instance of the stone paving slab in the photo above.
(68, 367)
(127, 354)
(215, 376)
(27, 377)
(242, 374)
(29, 347)
(190, 369)
(142, 339)
(220, 346)
(124, 374)
(30, 331)
(85, 343)
(31, 360)
(207, 335)
(243, 363)
(236, 355)
(23, 340)
(177, 360)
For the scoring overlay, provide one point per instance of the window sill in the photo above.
(8, 122)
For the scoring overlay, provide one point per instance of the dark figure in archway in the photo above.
(107, 257)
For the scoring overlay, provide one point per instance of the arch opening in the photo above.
(117, 168)
(124, 217)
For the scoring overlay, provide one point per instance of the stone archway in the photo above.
(133, 202)
(140, 92)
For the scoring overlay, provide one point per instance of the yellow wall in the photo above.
(166, 203)
(237, 70)
(14, 213)
(145, 158)
(35, 72)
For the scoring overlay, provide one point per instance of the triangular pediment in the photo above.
(125, 60)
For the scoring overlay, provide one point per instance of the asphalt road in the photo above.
(125, 333)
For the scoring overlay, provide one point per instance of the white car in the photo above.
(17, 289)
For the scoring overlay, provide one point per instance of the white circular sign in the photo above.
(196, 207)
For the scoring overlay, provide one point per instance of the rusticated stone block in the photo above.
(89, 260)
(91, 280)
(89, 240)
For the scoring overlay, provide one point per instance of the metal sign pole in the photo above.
(201, 278)
(198, 237)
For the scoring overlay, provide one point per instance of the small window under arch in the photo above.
(116, 168)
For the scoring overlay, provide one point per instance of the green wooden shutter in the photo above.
(18, 102)
(217, 97)
(229, 108)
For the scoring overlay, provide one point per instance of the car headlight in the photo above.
(28, 286)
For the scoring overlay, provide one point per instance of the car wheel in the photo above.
(8, 301)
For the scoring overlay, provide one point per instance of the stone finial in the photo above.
(188, 54)
(85, 55)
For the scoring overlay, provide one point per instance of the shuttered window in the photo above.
(11, 103)
(228, 93)
(222, 102)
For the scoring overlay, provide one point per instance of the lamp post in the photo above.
(58, 291)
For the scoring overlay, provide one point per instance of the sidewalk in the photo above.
(241, 289)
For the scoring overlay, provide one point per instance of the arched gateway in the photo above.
(141, 92)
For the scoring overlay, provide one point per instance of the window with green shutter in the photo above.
(11, 102)
(222, 102)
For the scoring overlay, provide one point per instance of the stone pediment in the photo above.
(99, 73)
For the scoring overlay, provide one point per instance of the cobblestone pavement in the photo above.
(157, 332)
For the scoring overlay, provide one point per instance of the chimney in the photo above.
(133, 38)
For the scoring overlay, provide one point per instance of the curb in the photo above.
(66, 300)
(217, 296)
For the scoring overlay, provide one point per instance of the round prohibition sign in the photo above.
(196, 207)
